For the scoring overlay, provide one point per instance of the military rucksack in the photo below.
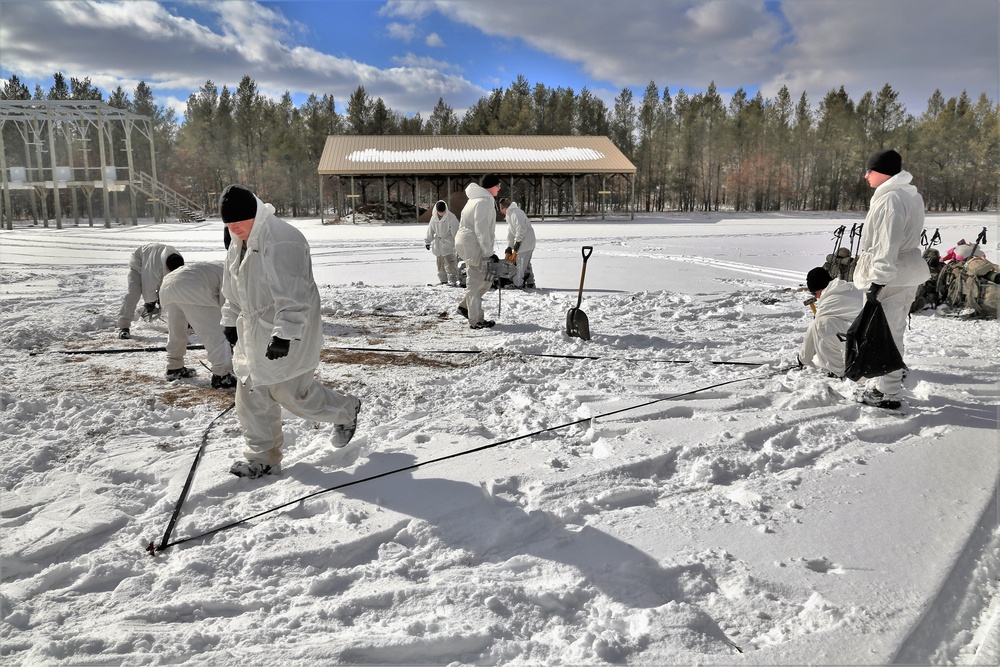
(973, 285)
(927, 293)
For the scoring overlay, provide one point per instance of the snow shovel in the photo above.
(576, 320)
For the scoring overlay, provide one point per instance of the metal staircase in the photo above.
(184, 208)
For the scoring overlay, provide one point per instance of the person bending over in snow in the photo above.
(145, 273)
(192, 293)
(520, 241)
(838, 304)
(440, 239)
(272, 316)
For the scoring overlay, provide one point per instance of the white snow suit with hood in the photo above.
(891, 256)
(520, 231)
(270, 291)
(193, 294)
(440, 237)
(836, 309)
(474, 243)
(146, 269)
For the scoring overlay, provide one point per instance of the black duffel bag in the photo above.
(871, 351)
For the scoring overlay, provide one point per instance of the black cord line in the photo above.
(187, 483)
(539, 354)
(165, 545)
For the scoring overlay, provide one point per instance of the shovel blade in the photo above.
(577, 325)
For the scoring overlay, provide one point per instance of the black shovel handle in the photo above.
(587, 250)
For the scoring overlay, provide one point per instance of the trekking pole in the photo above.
(838, 235)
(936, 238)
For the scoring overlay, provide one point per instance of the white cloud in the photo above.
(116, 42)
(809, 45)
(403, 31)
(411, 60)
(434, 40)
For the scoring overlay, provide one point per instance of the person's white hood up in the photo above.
(890, 241)
(477, 227)
(519, 229)
(271, 292)
(441, 231)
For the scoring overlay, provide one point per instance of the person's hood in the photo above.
(434, 210)
(263, 210)
(901, 182)
(476, 191)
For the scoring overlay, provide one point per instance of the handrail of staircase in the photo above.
(158, 189)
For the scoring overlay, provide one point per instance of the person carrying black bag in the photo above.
(890, 266)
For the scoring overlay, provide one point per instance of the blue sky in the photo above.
(412, 52)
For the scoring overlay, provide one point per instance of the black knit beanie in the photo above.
(174, 261)
(817, 279)
(237, 204)
(887, 162)
(490, 181)
(441, 206)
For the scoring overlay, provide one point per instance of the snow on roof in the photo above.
(507, 153)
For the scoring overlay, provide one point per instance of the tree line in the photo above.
(693, 152)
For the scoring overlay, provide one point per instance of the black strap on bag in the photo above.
(870, 350)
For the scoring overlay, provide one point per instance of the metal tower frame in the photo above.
(39, 122)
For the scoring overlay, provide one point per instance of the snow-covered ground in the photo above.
(742, 514)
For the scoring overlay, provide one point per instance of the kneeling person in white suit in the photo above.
(838, 304)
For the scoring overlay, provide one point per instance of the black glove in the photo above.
(231, 335)
(150, 308)
(277, 348)
(428, 246)
(494, 258)
(517, 246)
(508, 251)
(873, 291)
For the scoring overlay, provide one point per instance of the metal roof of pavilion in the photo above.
(471, 154)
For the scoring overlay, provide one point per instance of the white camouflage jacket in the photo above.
(271, 292)
(519, 229)
(477, 227)
(441, 231)
(150, 261)
(890, 241)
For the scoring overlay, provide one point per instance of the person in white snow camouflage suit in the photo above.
(146, 269)
(838, 304)
(474, 243)
(272, 315)
(890, 265)
(192, 294)
(440, 239)
(520, 240)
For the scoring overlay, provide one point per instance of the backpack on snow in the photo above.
(972, 284)
(927, 293)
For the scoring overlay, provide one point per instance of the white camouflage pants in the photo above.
(259, 411)
(205, 322)
(896, 302)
